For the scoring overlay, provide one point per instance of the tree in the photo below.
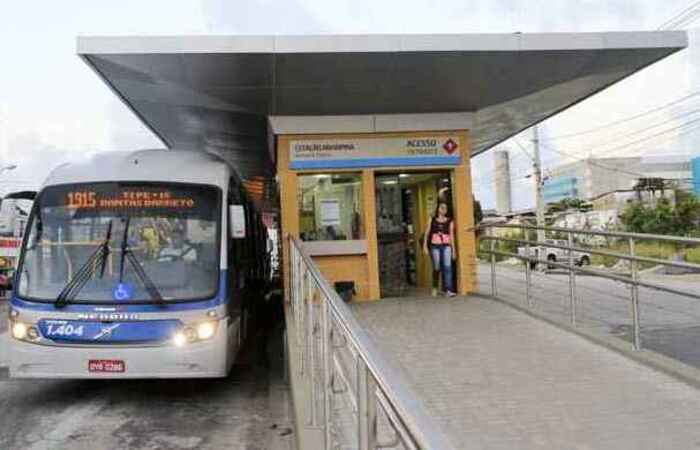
(664, 218)
(478, 213)
(687, 215)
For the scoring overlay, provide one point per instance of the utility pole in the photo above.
(537, 171)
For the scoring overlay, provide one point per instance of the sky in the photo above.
(53, 108)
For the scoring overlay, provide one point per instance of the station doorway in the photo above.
(405, 202)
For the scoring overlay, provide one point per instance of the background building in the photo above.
(696, 175)
(592, 178)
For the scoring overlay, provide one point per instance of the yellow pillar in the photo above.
(464, 219)
(289, 207)
(370, 219)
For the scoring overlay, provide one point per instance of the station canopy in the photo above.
(217, 93)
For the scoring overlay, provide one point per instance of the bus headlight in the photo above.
(19, 331)
(205, 330)
(195, 333)
(33, 334)
(25, 332)
(179, 340)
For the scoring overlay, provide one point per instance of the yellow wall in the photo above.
(364, 269)
(347, 268)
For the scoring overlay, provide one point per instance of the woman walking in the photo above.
(439, 242)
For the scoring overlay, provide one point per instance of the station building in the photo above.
(364, 134)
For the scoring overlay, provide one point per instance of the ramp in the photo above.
(496, 378)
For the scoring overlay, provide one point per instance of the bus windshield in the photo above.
(120, 242)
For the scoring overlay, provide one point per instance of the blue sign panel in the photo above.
(438, 149)
(78, 331)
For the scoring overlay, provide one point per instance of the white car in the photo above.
(555, 254)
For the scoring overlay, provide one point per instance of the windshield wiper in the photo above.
(86, 271)
(138, 268)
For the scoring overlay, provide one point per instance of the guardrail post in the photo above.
(572, 280)
(311, 343)
(364, 441)
(528, 274)
(372, 425)
(634, 291)
(325, 349)
(493, 265)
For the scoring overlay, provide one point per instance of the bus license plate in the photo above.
(106, 365)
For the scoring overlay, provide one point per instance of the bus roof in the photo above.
(179, 166)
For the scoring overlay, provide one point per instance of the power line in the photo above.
(680, 17)
(646, 138)
(626, 119)
(516, 177)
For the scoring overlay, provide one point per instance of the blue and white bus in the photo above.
(135, 265)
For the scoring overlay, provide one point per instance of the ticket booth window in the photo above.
(330, 207)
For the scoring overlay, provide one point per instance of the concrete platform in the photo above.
(496, 378)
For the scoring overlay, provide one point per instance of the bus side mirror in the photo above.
(236, 219)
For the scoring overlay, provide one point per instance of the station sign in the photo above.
(338, 153)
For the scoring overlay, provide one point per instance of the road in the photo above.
(248, 410)
(670, 323)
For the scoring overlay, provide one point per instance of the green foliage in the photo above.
(693, 255)
(566, 204)
(682, 219)
(501, 246)
(478, 212)
(649, 249)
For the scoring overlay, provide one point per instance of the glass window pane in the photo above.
(330, 207)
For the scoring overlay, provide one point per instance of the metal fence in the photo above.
(631, 279)
(343, 366)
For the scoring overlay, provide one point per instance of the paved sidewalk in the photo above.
(496, 378)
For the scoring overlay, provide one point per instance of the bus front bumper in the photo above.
(207, 359)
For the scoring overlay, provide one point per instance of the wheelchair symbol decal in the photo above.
(123, 291)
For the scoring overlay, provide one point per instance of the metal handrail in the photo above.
(632, 280)
(598, 273)
(617, 234)
(378, 384)
(593, 251)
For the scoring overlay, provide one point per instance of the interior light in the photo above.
(205, 330)
(321, 175)
(19, 330)
(389, 182)
(404, 175)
